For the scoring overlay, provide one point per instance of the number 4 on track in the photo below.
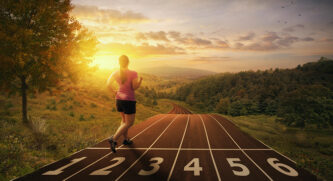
(195, 168)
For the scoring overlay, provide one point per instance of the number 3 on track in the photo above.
(156, 167)
(195, 168)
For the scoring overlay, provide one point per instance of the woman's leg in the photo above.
(123, 128)
(129, 118)
(123, 121)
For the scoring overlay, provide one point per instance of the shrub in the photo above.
(81, 117)
(71, 114)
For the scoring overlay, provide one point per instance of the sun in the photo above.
(105, 61)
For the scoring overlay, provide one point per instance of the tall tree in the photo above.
(41, 45)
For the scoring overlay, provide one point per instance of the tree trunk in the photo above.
(24, 100)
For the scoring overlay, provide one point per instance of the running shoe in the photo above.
(127, 142)
(113, 145)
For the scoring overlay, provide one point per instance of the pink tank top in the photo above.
(125, 91)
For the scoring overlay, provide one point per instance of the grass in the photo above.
(311, 148)
(61, 124)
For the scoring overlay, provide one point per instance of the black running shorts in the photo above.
(128, 107)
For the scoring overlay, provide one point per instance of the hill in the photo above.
(64, 120)
(299, 96)
(176, 72)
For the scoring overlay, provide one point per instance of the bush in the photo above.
(81, 117)
(71, 114)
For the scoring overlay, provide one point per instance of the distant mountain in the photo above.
(176, 72)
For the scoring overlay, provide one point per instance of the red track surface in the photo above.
(177, 146)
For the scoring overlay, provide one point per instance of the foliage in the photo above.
(300, 96)
(41, 45)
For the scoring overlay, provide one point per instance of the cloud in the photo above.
(264, 46)
(157, 36)
(270, 37)
(204, 60)
(287, 41)
(270, 41)
(293, 28)
(327, 40)
(221, 44)
(94, 14)
(142, 50)
(246, 37)
(307, 39)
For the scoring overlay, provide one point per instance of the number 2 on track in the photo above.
(105, 171)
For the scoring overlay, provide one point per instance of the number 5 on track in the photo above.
(195, 168)
(244, 170)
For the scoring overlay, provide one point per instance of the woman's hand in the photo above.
(136, 83)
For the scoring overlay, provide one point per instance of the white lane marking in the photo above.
(277, 151)
(146, 150)
(171, 149)
(180, 146)
(111, 152)
(210, 150)
(269, 146)
(242, 150)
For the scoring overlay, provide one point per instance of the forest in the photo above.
(299, 96)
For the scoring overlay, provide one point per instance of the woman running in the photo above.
(128, 82)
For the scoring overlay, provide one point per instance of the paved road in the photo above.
(178, 146)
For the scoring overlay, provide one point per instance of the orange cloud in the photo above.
(106, 16)
(157, 36)
(143, 50)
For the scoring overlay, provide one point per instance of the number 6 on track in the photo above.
(278, 166)
(195, 168)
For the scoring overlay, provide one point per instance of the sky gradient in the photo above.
(215, 35)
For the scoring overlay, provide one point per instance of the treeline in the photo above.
(299, 96)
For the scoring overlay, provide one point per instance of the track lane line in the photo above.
(111, 152)
(265, 144)
(277, 151)
(180, 145)
(204, 149)
(210, 150)
(146, 150)
(242, 149)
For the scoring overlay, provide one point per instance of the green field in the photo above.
(311, 148)
(61, 124)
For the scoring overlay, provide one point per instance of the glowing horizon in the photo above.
(216, 35)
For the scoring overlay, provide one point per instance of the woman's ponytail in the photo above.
(123, 62)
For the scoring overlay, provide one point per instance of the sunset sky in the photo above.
(215, 35)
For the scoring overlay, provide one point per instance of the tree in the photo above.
(223, 106)
(41, 45)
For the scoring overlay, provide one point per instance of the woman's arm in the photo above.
(136, 83)
(109, 84)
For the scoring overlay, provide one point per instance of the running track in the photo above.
(177, 146)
